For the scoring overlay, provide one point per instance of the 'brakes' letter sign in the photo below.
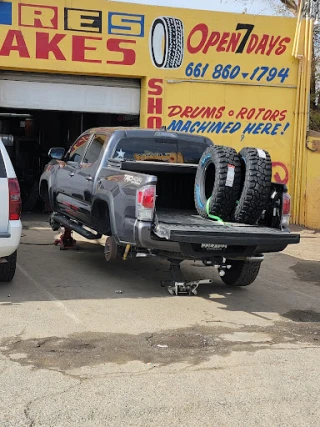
(125, 24)
(38, 16)
(89, 21)
(5, 13)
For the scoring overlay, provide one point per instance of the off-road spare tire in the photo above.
(256, 172)
(218, 179)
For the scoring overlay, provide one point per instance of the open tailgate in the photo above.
(188, 228)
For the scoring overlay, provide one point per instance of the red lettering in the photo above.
(204, 31)
(251, 113)
(196, 112)
(154, 105)
(274, 115)
(261, 110)
(129, 55)
(38, 16)
(262, 44)
(254, 40)
(212, 41)
(154, 122)
(79, 48)
(155, 87)
(223, 42)
(186, 112)
(44, 46)
(242, 112)
(14, 41)
(209, 113)
(272, 44)
(283, 115)
(267, 115)
(220, 112)
(174, 110)
(282, 47)
(233, 43)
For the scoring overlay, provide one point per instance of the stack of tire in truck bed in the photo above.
(233, 186)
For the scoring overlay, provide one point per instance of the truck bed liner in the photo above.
(189, 227)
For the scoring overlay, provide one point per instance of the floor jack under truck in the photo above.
(66, 241)
(178, 285)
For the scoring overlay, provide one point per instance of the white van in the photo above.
(10, 210)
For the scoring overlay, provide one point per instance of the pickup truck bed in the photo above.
(176, 219)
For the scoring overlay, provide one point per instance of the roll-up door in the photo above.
(69, 93)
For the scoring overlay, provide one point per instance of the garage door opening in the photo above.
(39, 111)
(29, 134)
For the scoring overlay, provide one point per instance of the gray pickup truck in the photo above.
(136, 186)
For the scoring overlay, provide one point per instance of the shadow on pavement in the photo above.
(44, 271)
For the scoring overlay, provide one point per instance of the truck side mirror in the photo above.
(56, 153)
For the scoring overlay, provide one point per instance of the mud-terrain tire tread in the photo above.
(8, 269)
(223, 197)
(256, 188)
(242, 273)
(175, 42)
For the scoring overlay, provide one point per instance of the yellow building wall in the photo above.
(310, 216)
(230, 77)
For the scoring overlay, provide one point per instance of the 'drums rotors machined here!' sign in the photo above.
(104, 37)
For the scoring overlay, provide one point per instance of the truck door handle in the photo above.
(71, 173)
(89, 178)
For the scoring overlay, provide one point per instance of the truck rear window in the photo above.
(3, 172)
(161, 150)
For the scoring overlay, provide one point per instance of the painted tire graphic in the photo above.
(166, 42)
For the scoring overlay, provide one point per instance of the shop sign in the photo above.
(136, 40)
(231, 77)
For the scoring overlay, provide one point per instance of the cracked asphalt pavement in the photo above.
(74, 351)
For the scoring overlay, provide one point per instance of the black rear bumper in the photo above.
(240, 246)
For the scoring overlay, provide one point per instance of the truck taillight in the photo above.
(14, 199)
(286, 209)
(146, 199)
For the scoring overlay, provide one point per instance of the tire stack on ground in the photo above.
(233, 186)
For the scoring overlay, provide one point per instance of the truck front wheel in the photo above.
(241, 273)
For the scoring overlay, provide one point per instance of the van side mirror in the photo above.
(56, 153)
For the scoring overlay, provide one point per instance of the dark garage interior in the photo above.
(29, 134)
